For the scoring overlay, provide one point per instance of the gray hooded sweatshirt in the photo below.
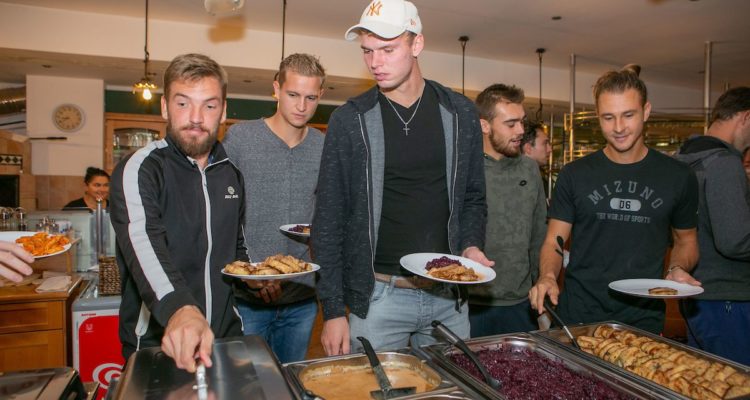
(724, 218)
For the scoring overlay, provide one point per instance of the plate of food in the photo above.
(296, 229)
(447, 268)
(272, 268)
(39, 244)
(655, 288)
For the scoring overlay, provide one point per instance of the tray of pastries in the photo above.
(690, 372)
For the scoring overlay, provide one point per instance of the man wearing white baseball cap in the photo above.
(401, 173)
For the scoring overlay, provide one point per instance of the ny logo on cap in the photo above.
(374, 8)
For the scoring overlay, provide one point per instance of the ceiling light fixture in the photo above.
(463, 40)
(216, 7)
(540, 51)
(145, 87)
(283, 27)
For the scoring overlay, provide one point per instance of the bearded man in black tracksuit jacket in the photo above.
(177, 208)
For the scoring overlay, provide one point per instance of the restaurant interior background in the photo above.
(90, 52)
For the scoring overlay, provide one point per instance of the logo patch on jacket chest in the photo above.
(231, 193)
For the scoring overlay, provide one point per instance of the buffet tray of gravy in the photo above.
(350, 377)
(529, 367)
(685, 371)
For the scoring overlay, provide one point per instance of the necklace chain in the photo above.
(406, 123)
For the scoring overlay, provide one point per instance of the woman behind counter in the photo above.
(96, 184)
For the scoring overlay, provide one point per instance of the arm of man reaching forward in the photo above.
(550, 264)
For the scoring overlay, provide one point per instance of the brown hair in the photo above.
(193, 67)
(494, 94)
(620, 81)
(530, 132)
(733, 101)
(303, 64)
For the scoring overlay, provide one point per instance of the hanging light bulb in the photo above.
(145, 87)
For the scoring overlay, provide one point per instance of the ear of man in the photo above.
(485, 126)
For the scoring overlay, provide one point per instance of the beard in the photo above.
(190, 146)
(506, 149)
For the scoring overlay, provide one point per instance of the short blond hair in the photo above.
(303, 64)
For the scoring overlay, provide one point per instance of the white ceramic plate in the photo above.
(640, 287)
(11, 236)
(315, 267)
(287, 228)
(416, 263)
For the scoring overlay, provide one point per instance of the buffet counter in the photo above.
(539, 364)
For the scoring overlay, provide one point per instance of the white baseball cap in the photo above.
(387, 19)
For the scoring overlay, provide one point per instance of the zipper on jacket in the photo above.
(207, 263)
(451, 198)
(369, 197)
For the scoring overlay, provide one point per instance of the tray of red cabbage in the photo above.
(530, 368)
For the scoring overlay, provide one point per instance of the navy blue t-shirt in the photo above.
(622, 216)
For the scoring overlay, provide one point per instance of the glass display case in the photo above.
(80, 224)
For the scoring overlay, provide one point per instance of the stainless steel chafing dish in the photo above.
(443, 387)
(558, 337)
(441, 354)
(243, 368)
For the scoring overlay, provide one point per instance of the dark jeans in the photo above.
(286, 328)
(719, 327)
(495, 320)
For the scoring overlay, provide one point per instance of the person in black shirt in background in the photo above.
(97, 188)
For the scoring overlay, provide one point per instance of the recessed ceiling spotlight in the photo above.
(556, 17)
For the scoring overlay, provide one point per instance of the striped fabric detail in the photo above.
(149, 262)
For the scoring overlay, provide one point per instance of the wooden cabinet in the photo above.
(125, 133)
(34, 327)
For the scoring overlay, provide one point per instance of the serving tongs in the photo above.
(201, 386)
(559, 322)
(456, 341)
(387, 391)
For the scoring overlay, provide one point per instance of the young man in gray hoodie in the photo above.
(719, 319)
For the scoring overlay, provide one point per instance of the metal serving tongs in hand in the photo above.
(559, 322)
(201, 386)
(456, 341)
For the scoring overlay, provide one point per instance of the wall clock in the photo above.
(68, 117)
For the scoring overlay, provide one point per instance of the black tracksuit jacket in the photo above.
(176, 227)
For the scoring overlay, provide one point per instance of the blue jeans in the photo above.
(286, 327)
(495, 320)
(719, 327)
(399, 316)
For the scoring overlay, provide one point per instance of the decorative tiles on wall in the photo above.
(11, 159)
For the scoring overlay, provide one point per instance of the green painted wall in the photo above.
(127, 102)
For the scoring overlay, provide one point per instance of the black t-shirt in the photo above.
(622, 215)
(415, 211)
